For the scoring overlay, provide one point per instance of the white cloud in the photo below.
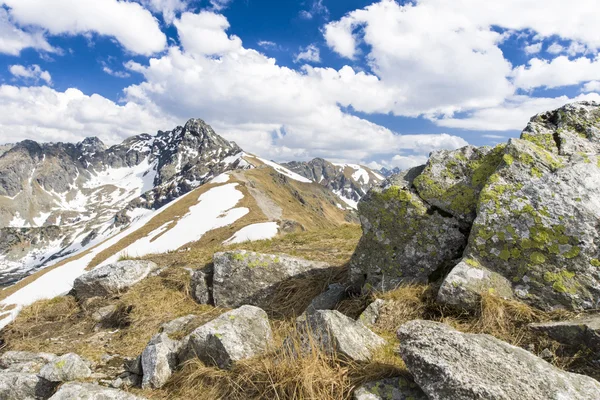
(31, 73)
(593, 86)
(116, 74)
(168, 8)
(555, 48)
(266, 44)
(561, 71)
(44, 114)
(309, 53)
(204, 34)
(533, 48)
(131, 24)
(219, 5)
(13, 39)
(513, 114)
(317, 8)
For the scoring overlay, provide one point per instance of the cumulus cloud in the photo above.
(31, 73)
(129, 23)
(205, 34)
(561, 71)
(14, 39)
(310, 53)
(44, 114)
(533, 48)
(593, 86)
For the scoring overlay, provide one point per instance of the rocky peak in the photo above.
(91, 145)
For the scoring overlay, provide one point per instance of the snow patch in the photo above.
(285, 171)
(351, 203)
(223, 178)
(262, 231)
(18, 222)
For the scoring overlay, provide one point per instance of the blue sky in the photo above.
(382, 83)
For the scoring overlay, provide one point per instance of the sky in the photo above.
(379, 83)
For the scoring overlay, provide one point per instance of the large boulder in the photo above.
(89, 391)
(452, 180)
(448, 364)
(247, 278)
(583, 331)
(236, 335)
(337, 334)
(66, 368)
(404, 239)
(390, 389)
(159, 360)
(112, 278)
(24, 361)
(24, 386)
(537, 226)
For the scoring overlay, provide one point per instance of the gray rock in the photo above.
(390, 389)
(466, 283)
(159, 360)
(89, 391)
(537, 224)
(66, 368)
(126, 380)
(24, 361)
(104, 313)
(112, 279)
(181, 324)
(337, 334)
(236, 335)
(583, 331)
(404, 240)
(24, 386)
(452, 180)
(247, 278)
(201, 292)
(329, 299)
(370, 316)
(448, 364)
(133, 365)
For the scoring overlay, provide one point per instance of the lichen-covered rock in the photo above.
(404, 240)
(370, 316)
(328, 299)
(337, 334)
(159, 360)
(24, 386)
(452, 180)
(537, 225)
(467, 281)
(448, 364)
(583, 331)
(200, 289)
(66, 368)
(247, 278)
(236, 335)
(390, 389)
(89, 391)
(113, 278)
(24, 361)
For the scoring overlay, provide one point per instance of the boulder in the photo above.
(112, 278)
(89, 391)
(66, 368)
(178, 325)
(448, 364)
(329, 299)
(24, 386)
(467, 281)
(404, 239)
(247, 278)
(236, 335)
(583, 331)
(159, 360)
(24, 361)
(337, 334)
(370, 316)
(390, 389)
(536, 225)
(452, 180)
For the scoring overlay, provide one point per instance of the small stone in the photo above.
(329, 299)
(159, 360)
(370, 316)
(390, 389)
(24, 361)
(178, 325)
(89, 391)
(103, 313)
(547, 354)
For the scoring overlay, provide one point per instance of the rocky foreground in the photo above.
(517, 225)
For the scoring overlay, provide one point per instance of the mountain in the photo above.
(389, 172)
(349, 181)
